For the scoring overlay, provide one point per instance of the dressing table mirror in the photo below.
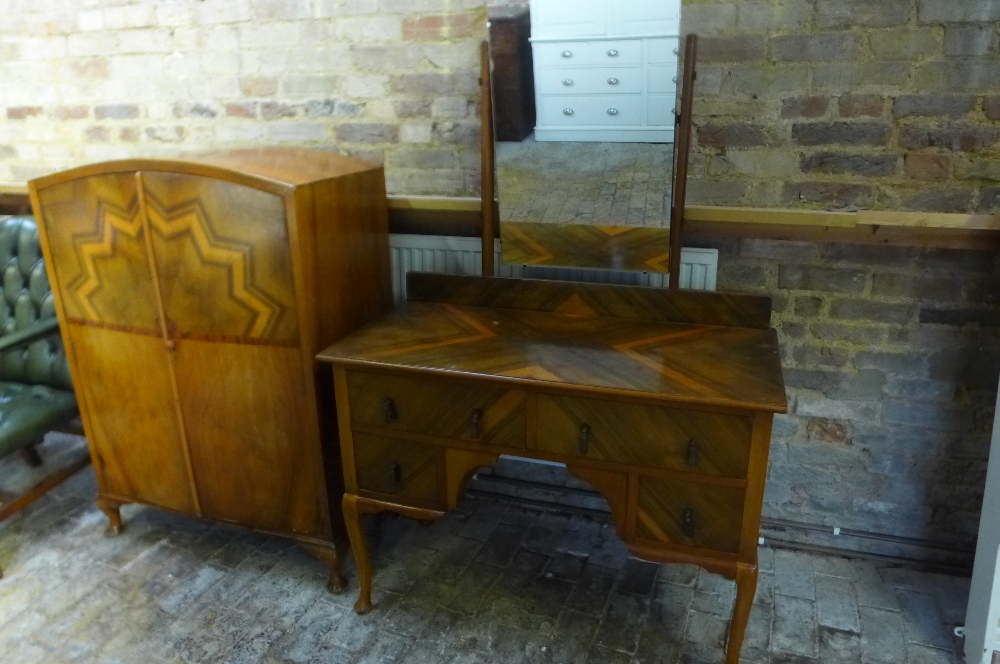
(581, 130)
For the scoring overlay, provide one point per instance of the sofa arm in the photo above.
(34, 332)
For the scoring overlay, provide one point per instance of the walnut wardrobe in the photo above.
(193, 296)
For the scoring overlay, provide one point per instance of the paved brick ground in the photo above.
(494, 582)
(610, 184)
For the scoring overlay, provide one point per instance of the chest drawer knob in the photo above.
(584, 441)
(567, 54)
(567, 81)
(613, 53)
(477, 423)
(612, 81)
(692, 453)
(567, 111)
(395, 474)
(687, 522)
(389, 413)
(612, 111)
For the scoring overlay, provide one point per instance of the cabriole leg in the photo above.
(330, 556)
(356, 533)
(746, 589)
(111, 509)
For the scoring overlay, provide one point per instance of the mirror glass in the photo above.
(584, 96)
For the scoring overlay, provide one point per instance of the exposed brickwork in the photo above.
(393, 81)
(870, 99)
(801, 103)
(891, 359)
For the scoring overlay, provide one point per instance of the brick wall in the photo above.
(802, 103)
(392, 79)
(891, 359)
(889, 104)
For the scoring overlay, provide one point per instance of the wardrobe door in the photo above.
(225, 275)
(97, 256)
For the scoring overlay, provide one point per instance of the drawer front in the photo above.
(660, 110)
(461, 411)
(579, 81)
(661, 79)
(689, 514)
(599, 110)
(660, 51)
(398, 468)
(649, 436)
(605, 53)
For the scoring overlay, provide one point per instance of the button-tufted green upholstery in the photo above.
(36, 392)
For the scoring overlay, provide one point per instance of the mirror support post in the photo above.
(682, 152)
(488, 166)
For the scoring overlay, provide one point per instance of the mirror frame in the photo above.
(597, 247)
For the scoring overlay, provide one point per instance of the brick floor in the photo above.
(493, 582)
(613, 184)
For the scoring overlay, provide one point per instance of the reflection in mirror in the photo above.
(584, 99)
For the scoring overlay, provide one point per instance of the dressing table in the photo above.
(662, 400)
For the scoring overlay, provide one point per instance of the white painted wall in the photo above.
(982, 621)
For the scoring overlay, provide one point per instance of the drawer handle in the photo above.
(567, 111)
(612, 53)
(612, 111)
(584, 442)
(389, 413)
(692, 455)
(477, 423)
(567, 54)
(674, 79)
(567, 81)
(688, 525)
(612, 81)
(677, 51)
(396, 474)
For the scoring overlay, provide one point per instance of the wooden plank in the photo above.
(929, 219)
(16, 188)
(776, 216)
(893, 236)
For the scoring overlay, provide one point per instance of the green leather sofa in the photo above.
(36, 391)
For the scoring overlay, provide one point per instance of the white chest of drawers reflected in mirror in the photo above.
(605, 70)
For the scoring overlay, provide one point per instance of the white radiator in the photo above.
(464, 255)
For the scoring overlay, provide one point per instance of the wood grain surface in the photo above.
(594, 300)
(720, 366)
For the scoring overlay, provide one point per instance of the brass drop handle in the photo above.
(389, 413)
(584, 442)
(692, 453)
(396, 474)
(688, 525)
(477, 423)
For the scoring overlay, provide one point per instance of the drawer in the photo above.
(576, 53)
(649, 436)
(399, 468)
(666, 50)
(689, 514)
(603, 110)
(660, 110)
(446, 409)
(661, 79)
(578, 81)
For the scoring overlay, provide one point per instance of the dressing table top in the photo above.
(697, 348)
